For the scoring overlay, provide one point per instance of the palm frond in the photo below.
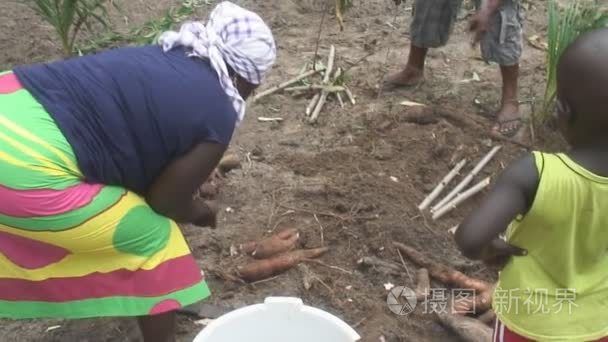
(68, 17)
(564, 25)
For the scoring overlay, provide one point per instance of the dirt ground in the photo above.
(351, 182)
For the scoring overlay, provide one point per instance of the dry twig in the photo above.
(407, 270)
(314, 60)
(319, 262)
(381, 265)
(320, 229)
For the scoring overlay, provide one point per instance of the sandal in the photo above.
(510, 127)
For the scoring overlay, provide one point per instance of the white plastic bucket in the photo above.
(278, 319)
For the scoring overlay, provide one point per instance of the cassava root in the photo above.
(262, 269)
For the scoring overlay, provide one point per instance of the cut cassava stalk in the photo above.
(312, 104)
(286, 84)
(444, 182)
(350, 95)
(468, 329)
(324, 93)
(467, 180)
(340, 101)
(266, 119)
(315, 114)
(463, 196)
(330, 65)
(423, 284)
(266, 268)
(278, 243)
(337, 76)
(327, 88)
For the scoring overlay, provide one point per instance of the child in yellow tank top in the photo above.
(553, 209)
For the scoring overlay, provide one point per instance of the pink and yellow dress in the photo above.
(71, 247)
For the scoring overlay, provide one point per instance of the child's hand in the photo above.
(499, 252)
(479, 24)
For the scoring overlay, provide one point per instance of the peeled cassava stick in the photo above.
(468, 329)
(266, 268)
(463, 196)
(468, 179)
(444, 182)
(281, 242)
(443, 273)
(286, 84)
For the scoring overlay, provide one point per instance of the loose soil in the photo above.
(350, 182)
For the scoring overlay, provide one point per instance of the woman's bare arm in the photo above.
(172, 192)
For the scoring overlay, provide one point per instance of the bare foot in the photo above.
(410, 76)
(508, 119)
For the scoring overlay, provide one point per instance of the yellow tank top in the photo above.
(559, 291)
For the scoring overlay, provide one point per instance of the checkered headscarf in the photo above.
(233, 36)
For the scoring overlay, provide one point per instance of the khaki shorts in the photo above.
(434, 21)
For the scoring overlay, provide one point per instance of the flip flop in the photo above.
(509, 127)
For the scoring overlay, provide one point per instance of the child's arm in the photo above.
(478, 236)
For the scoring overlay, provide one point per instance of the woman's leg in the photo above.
(158, 328)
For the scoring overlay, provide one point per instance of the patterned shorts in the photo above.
(434, 21)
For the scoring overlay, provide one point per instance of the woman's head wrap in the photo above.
(232, 36)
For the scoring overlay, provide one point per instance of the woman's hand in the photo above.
(171, 193)
(206, 214)
(499, 252)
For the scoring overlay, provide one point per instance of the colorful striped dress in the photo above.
(71, 248)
